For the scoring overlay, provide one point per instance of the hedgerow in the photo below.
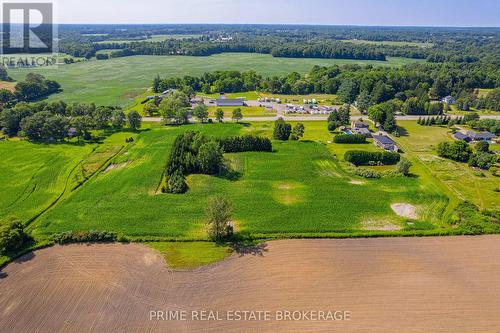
(85, 236)
(359, 157)
(239, 144)
(350, 138)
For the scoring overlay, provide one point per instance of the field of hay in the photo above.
(118, 81)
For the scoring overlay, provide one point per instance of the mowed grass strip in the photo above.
(462, 181)
(189, 255)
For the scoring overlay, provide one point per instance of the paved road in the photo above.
(308, 118)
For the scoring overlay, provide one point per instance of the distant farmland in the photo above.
(118, 81)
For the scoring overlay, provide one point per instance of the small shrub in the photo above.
(403, 167)
(12, 236)
(368, 173)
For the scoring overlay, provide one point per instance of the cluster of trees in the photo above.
(12, 236)
(284, 131)
(33, 88)
(193, 152)
(461, 151)
(360, 157)
(175, 108)
(350, 138)
(471, 99)
(384, 114)
(56, 121)
(490, 125)
(340, 117)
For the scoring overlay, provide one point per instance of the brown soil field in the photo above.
(387, 285)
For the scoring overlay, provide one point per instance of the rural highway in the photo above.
(307, 118)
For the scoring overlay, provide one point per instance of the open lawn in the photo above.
(189, 255)
(463, 182)
(118, 81)
(299, 189)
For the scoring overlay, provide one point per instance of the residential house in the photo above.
(461, 136)
(385, 142)
(481, 136)
(449, 100)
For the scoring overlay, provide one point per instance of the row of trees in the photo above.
(57, 121)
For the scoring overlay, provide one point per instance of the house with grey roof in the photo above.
(461, 136)
(449, 100)
(481, 136)
(385, 143)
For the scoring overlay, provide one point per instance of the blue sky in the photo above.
(334, 12)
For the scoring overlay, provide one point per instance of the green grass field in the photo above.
(299, 189)
(118, 81)
(462, 182)
(188, 255)
(33, 176)
(153, 39)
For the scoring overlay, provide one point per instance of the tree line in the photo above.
(365, 85)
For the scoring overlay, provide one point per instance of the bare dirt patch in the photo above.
(117, 166)
(379, 225)
(11, 86)
(357, 182)
(288, 193)
(405, 210)
(388, 285)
